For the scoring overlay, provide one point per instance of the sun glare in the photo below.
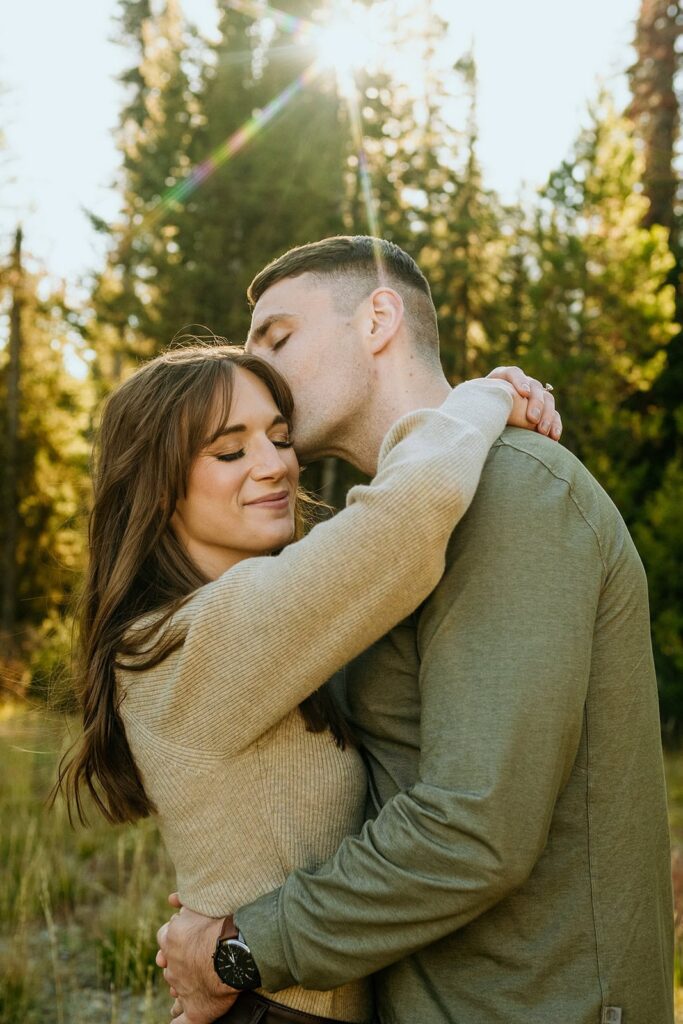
(351, 41)
(387, 35)
(391, 36)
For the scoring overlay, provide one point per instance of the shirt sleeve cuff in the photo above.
(260, 925)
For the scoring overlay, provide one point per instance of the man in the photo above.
(516, 870)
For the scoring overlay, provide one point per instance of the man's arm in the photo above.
(503, 683)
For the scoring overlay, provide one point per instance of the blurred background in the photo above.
(154, 155)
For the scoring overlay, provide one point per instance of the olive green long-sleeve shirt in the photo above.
(517, 870)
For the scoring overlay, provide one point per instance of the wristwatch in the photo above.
(232, 959)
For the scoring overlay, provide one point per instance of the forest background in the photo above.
(282, 129)
(234, 150)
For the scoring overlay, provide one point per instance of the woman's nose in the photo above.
(269, 463)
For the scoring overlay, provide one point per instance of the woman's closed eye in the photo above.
(280, 342)
(231, 456)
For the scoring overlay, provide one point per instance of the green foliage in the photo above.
(184, 254)
(659, 535)
(53, 453)
(580, 286)
(602, 310)
(432, 201)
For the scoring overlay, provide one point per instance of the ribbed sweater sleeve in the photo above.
(269, 631)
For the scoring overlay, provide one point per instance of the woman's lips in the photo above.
(279, 500)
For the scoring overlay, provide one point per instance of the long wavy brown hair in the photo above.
(152, 428)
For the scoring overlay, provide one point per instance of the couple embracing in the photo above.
(406, 763)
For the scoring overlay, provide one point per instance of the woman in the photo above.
(202, 661)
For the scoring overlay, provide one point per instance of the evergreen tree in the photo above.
(659, 537)
(50, 457)
(603, 314)
(404, 149)
(200, 216)
(154, 136)
(277, 180)
(421, 152)
(467, 251)
(655, 111)
(222, 169)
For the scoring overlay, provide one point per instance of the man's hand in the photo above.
(540, 410)
(186, 946)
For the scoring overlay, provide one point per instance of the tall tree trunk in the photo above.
(655, 111)
(654, 107)
(11, 512)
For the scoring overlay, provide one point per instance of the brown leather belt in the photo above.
(252, 1008)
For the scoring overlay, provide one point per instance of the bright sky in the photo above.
(540, 62)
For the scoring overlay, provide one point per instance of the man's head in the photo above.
(343, 319)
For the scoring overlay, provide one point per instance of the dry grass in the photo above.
(79, 910)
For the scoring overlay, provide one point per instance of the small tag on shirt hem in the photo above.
(611, 1015)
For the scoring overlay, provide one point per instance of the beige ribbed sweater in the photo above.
(244, 792)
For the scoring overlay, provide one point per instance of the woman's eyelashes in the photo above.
(231, 456)
(280, 342)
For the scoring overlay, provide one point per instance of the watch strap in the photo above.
(229, 929)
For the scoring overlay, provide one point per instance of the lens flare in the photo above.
(352, 39)
(232, 145)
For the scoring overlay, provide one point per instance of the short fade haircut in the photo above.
(355, 265)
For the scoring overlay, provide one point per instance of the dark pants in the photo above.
(251, 1008)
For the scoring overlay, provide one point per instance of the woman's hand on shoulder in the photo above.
(533, 405)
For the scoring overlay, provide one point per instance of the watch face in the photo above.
(235, 965)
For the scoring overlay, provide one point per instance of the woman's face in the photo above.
(242, 486)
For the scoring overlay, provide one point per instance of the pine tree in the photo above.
(603, 313)
(421, 152)
(659, 537)
(404, 150)
(154, 135)
(655, 111)
(466, 251)
(277, 179)
(47, 455)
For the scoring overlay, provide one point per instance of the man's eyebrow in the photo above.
(240, 428)
(256, 333)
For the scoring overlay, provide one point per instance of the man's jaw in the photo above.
(362, 456)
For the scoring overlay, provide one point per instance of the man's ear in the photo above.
(387, 314)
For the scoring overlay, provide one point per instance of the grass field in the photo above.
(79, 910)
